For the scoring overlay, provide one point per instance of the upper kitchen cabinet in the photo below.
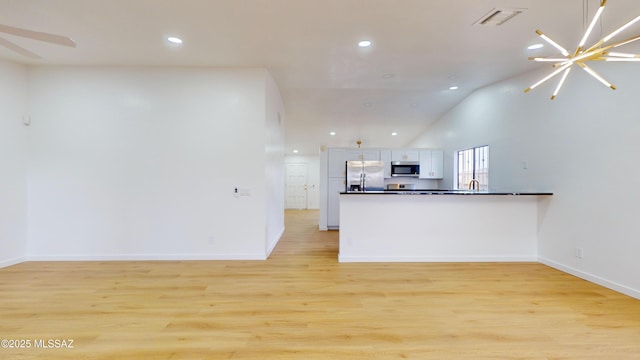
(405, 155)
(385, 157)
(364, 154)
(338, 156)
(431, 164)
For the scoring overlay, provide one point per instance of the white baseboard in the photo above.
(274, 242)
(592, 278)
(146, 257)
(14, 261)
(342, 258)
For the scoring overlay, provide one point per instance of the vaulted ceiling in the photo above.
(420, 48)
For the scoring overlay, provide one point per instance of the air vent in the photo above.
(498, 16)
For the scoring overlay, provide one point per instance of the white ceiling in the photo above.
(401, 83)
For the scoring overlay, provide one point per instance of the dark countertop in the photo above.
(442, 192)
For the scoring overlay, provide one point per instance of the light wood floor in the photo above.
(303, 304)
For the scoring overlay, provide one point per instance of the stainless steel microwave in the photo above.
(405, 168)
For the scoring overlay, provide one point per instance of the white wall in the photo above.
(313, 177)
(583, 146)
(143, 162)
(274, 164)
(13, 173)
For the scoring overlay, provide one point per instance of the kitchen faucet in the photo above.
(472, 184)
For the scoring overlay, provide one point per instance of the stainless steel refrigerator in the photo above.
(365, 175)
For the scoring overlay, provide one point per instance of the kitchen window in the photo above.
(473, 164)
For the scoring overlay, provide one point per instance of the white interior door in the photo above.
(296, 186)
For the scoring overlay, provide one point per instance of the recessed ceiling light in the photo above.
(295, 151)
(453, 88)
(332, 133)
(174, 40)
(388, 76)
(364, 43)
(535, 46)
(413, 105)
(394, 133)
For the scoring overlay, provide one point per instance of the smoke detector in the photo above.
(498, 16)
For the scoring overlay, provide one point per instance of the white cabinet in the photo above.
(337, 158)
(335, 162)
(365, 154)
(335, 187)
(385, 156)
(431, 164)
(405, 155)
(437, 164)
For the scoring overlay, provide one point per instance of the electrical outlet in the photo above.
(579, 252)
(212, 240)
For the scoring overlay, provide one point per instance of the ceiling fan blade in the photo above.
(20, 50)
(36, 35)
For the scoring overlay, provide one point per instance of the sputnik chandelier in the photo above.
(599, 51)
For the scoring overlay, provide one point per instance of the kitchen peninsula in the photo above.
(431, 226)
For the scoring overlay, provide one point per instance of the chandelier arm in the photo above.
(621, 28)
(590, 28)
(553, 43)
(620, 59)
(564, 77)
(618, 54)
(614, 45)
(554, 73)
(594, 46)
(596, 75)
(625, 42)
(543, 59)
